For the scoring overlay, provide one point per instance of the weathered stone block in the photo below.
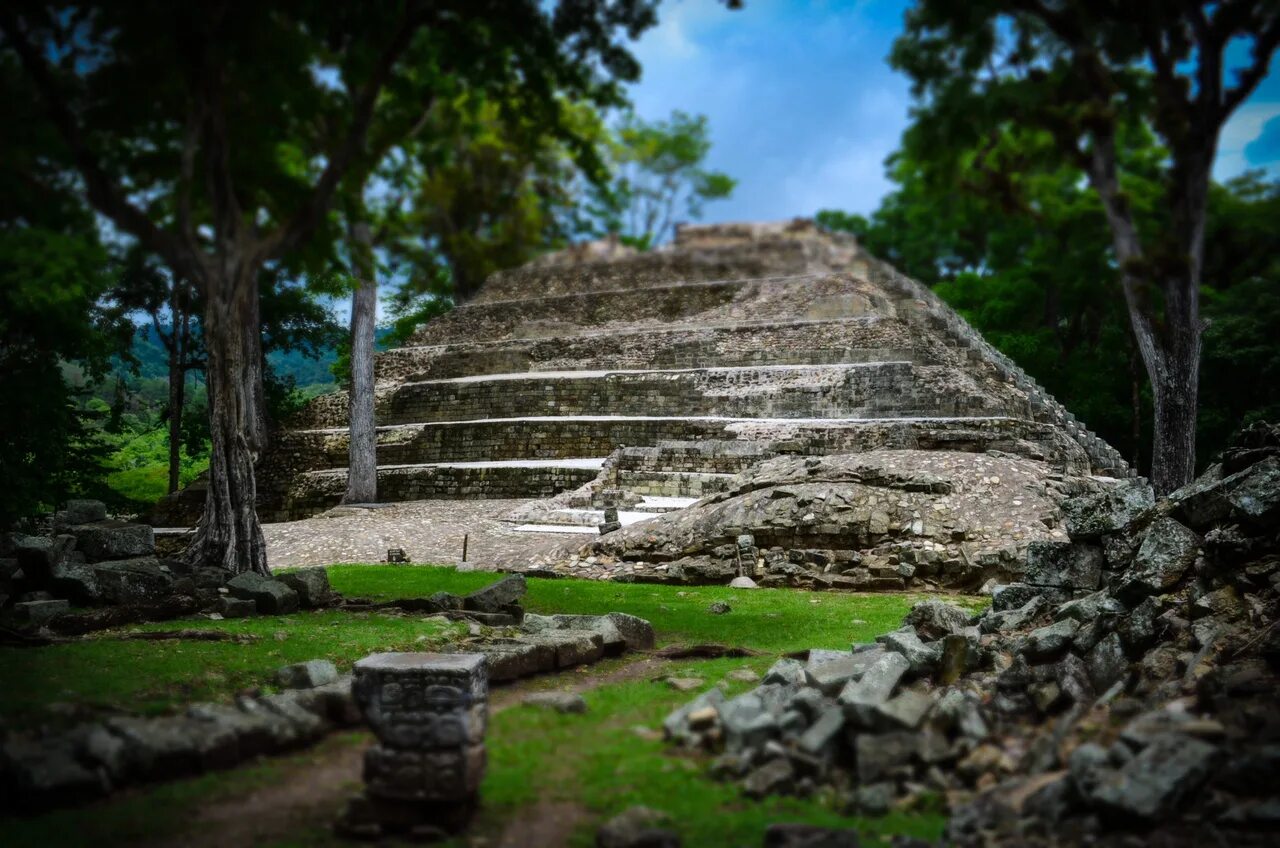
(407, 696)
(306, 675)
(497, 596)
(1168, 550)
(426, 775)
(271, 596)
(131, 581)
(311, 584)
(113, 540)
(1065, 565)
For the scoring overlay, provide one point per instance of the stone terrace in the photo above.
(604, 376)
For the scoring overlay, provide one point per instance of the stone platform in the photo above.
(585, 381)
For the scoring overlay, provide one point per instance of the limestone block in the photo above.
(113, 540)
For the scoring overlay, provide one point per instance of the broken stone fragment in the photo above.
(1108, 511)
(311, 584)
(131, 581)
(1088, 608)
(933, 620)
(306, 675)
(1166, 553)
(229, 607)
(497, 596)
(860, 697)
(1048, 642)
(904, 711)
(922, 658)
(36, 613)
(1151, 785)
(878, 754)
(1064, 565)
(775, 777)
(830, 675)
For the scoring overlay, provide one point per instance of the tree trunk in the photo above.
(179, 316)
(362, 465)
(177, 381)
(229, 535)
(1175, 382)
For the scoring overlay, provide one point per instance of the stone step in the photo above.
(673, 346)
(567, 437)
(758, 256)
(858, 390)
(310, 492)
(560, 315)
(672, 484)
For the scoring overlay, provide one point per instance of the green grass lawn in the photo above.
(597, 761)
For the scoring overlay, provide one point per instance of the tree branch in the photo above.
(1265, 43)
(304, 222)
(103, 193)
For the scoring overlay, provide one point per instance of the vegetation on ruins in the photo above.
(259, 119)
(1086, 76)
(1028, 267)
(656, 177)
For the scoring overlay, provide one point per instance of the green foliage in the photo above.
(51, 283)
(657, 174)
(138, 467)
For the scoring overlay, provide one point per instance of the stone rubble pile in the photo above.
(89, 560)
(1128, 682)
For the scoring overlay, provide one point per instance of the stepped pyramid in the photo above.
(603, 377)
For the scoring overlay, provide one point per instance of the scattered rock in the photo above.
(743, 582)
(108, 540)
(685, 684)
(719, 608)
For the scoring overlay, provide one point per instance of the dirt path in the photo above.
(314, 786)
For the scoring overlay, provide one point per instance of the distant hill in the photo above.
(153, 361)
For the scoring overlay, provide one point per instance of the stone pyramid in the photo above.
(738, 361)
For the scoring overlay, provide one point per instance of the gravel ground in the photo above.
(428, 531)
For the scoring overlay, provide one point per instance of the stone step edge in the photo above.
(679, 284)
(592, 332)
(570, 463)
(598, 374)
(546, 419)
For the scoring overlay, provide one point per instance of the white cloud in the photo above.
(1243, 127)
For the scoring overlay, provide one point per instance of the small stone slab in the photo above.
(311, 584)
(108, 540)
(37, 613)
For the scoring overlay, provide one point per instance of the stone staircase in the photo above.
(646, 381)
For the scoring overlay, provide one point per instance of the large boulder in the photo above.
(1168, 550)
(110, 540)
(39, 556)
(271, 596)
(81, 512)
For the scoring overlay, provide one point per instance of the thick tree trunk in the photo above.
(229, 535)
(362, 465)
(1175, 381)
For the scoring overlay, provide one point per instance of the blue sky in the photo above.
(804, 107)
